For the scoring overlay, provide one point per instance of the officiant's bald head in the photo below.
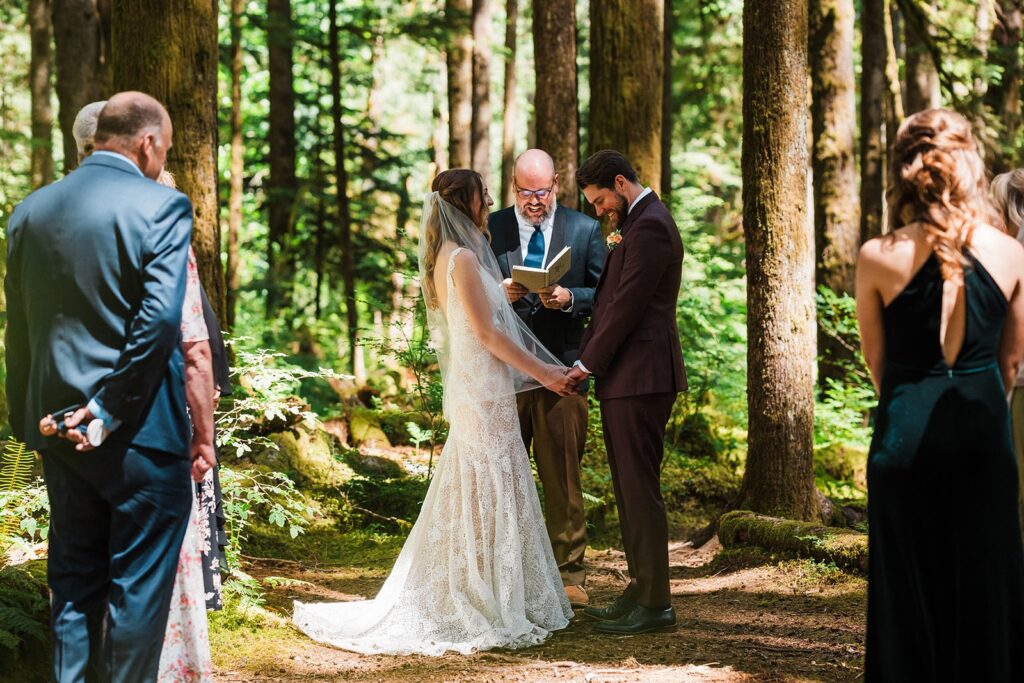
(136, 125)
(536, 184)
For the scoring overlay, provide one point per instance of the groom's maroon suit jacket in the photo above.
(632, 344)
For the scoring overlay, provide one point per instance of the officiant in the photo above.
(531, 233)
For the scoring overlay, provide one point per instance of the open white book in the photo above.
(535, 279)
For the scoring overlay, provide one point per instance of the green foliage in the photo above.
(24, 514)
(24, 605)
(15, 474)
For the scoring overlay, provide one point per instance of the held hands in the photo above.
(514, 290)
(69, 430)
(561, 380)
(555, 296)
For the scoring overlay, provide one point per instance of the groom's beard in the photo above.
(617, 214)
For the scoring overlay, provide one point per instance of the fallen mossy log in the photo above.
(846, 548)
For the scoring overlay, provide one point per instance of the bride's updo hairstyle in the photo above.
(464, 190)
(938, 180)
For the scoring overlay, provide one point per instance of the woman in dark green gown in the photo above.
(941, 308)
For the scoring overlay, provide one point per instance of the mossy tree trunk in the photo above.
(344, 210)
(81, 42)
(510, 115)
(779, 478)
(480, 140)
(39, 86)
(1003, 94)
(169, 49)
(555, 101)
(237, 170)
(872, 114)
(626, 63)
(834, 163)
(460, 83)
(923, 87)
(668, 105)
(282, 185)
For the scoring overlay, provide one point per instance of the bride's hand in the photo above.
(556, 379)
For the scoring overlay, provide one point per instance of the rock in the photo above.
(307, 456)
(338, 429)
(365, 430)
(374, 465)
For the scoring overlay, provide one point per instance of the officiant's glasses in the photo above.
(539, 194)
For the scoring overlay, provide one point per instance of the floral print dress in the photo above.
(186, 653)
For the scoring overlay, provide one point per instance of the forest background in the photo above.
(307, 132)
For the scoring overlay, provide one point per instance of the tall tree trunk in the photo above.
(81, 69)
(894, 111)
(480, 141)
(1003, 95)
(510, 114)
(834, 162)
(667, 101)
(168, 48)
(39, 85)
(923, 88)
(282, 185)
(344, 218)
(626, 63)
(460, 83)
(555, 100)
(237, 163)
(872, 115)
(779, 478)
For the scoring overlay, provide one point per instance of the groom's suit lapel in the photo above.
(626, 224)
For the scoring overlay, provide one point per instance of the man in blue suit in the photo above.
(95, 286)
(531, 233)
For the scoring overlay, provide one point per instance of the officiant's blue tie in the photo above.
(535, 249)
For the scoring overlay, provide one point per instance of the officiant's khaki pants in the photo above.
(556, 427)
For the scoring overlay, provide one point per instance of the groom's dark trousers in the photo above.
(95, 285)
(632, 350)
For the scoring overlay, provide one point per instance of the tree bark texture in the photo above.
(555, 100)
(344, 211)
(282, 185)
(237, 170)
(168, 48)
(39, 86)
(872, 114)
(1003, 95)
(894, 111)
(834, 161)
(923, 87)
(510, 114)
(779, 476)
(460, 83)
(481, 127)
(668, 105)
(626, 63)
(82, 64)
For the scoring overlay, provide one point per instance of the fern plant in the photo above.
(24, 604)
(15, 474)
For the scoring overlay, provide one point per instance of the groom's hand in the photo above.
(514, 290)
(577, 377)
(73, 434)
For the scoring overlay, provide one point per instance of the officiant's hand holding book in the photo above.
(536, 279)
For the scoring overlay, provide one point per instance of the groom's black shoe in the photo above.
(640, 620)
(622, 606)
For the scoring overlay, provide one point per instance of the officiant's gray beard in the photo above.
(548, 212)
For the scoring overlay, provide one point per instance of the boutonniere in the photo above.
(613, 239)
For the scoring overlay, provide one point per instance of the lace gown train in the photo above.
(477, 571)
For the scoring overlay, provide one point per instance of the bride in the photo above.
(477, 571)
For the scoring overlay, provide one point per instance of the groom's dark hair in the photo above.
(601, 168)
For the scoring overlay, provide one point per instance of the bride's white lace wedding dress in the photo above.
(477, 571)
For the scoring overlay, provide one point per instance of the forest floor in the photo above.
(741, 618)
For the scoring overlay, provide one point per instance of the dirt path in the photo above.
(793, 621)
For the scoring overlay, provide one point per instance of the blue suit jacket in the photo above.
(559, 332)
(95, 285)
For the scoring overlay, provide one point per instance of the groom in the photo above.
(632, 349)
(95, 287)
